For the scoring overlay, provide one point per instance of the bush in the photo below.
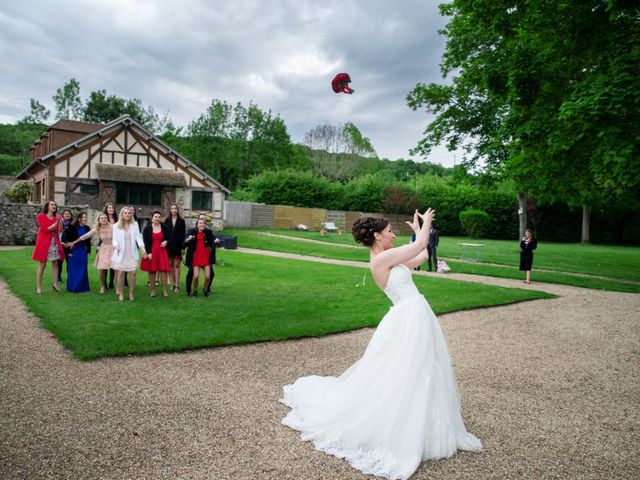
(295, 188)
(20, 192)
(475, 222)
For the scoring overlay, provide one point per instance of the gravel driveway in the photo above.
(552, 387)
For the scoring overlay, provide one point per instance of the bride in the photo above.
(398, 405)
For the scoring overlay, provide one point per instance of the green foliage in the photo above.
(19, 192)
(291, 187)
(399, 199)
(15, 141)
(68, 102)
(39, 114)
(102, 108)
(234, 142)
(339, 153)
(474, 222)
(365, 194)
(545, 92)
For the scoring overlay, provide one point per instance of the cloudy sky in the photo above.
(280, 54)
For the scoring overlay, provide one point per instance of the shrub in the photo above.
(20, 192)
(475, 222)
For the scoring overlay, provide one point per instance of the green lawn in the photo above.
(619, 265)
(255, 299)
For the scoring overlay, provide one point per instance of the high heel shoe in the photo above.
(121, 297)
(38, 291)
(132, 297)
(55, 287)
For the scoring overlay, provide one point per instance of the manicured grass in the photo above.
(619, 264)
(255, 299)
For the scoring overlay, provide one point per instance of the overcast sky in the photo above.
(178, 56)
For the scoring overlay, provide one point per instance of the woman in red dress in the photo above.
(48, 245)
(198, 254)
(155, 237)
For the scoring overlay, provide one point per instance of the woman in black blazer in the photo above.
(527, 245)
(199, 243)
(177, 231)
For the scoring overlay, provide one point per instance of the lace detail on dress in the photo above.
(400, 284)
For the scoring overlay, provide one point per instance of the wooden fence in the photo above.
(258, 215)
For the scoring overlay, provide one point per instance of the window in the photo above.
(201, 200)
(138, 194)
(89, 189)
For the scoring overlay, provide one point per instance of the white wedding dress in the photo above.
(396, 406)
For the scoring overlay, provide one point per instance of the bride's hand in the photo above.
(415, 225)
(427, 216)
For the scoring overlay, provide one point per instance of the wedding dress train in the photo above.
(396, 406)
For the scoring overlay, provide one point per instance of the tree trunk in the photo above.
(586, 223)
(522, 213)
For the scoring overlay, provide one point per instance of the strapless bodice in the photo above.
(400, 285)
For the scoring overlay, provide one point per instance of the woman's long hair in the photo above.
(76, 222)
(121, 218)
(177, 211)
(115, 212)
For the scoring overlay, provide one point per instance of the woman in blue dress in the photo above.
(77, 259)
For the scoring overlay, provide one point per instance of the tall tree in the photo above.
(39, 114)
(67, 101)
(336, 151)
(102, 108)
(233, 142)
(545, 92)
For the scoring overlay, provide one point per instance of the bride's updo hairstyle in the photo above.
(364, 228)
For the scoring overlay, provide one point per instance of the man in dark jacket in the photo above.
(434, 239)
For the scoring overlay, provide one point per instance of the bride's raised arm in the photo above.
(407, 253)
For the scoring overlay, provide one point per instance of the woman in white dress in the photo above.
(126, 239)
(398, 405)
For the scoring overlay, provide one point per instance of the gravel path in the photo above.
(552, 387)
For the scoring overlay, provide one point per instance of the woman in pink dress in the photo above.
(112, 217)
(48, 246)
(103, 230)
(155, 237)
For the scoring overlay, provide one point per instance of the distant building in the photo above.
(77, 163)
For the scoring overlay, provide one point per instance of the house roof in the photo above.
(122, 120)
(75, 126)
(155, 176)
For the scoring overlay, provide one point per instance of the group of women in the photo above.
(161, 243)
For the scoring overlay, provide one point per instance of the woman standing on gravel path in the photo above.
(398, 405)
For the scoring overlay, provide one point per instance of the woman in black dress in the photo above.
(177, 231)
(527, 245)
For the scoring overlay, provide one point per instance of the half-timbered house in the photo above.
(120, 163)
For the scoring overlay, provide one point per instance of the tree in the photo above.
(544, 92)
(235, 142)
(336, 151)
(39, 113)
(102, 108)
(68, 102)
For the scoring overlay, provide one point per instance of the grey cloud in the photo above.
(178, 56)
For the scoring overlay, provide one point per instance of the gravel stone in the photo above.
(552, 387)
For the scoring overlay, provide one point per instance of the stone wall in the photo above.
(6, 182)
(18, 221)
